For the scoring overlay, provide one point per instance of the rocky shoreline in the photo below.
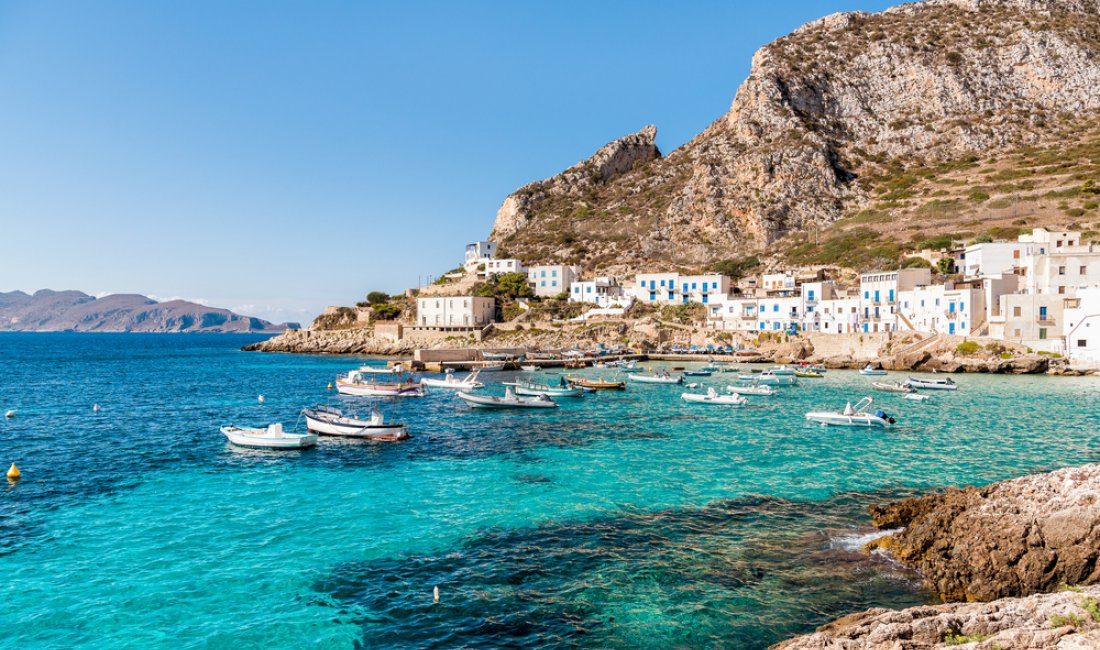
(1008, 549)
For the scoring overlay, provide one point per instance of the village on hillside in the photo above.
(1041, 291)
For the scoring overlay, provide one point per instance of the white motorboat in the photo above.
(529, 368)
(449, 381)
(533, 388)
(917, 397)
(271, 437)
(768, 377)
(332, 422)
(713, 397)
(658, 378)
(630, 366)
(757, 389)
(509, 400)
(782, 370)
(354, 384)
(852, 416)
(896, 387)
(395, 369)
(934, 384)
(870, 370)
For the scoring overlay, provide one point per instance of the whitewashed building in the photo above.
(812, 293)
(446, 312)
(879, 295)
(778, 314)
(479, 252)
(733, 314)
(673, 288)
(604, 292)
(778, 283)
(993, 258)
(500, 267)
(548, 280)
(1082, 327)
(939, 308)
(839, 315)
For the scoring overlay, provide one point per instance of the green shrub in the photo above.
(915, 263)
(1059, 620)
(967, 348)
(385, 311)
(977, 195)
(377, 297)
(1092, 607)
(736, 268)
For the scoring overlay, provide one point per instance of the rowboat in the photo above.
(354, 384)
(332, 422)
(934, 384)
(852, 416)
(896, 387)
(508, 401)
(490, 366)
(713, 397)
(871, 370)
(658, 378)
(272, 437)
(758, 389)
(699, 373)
(596, 384)
(532, 388)
(469, 382)
(808, 374)
(768, 377)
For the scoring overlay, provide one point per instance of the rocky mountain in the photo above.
(855, 118)
(74, 311)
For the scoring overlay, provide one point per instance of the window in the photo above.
(543, 283)
(652, 296)
(876, 296)
(866, 295)
(1082, 270)
(554, 273)
(1061, 290)
(662, 283)
(553, 283)
(1061, 270)
(1016, 254)
(775, 307)
(1042, 333)
(542, 274)
(891, 295)
(1016, 313)
(1082, 343)
(811, 294)
(1042, 313)
(714, 285)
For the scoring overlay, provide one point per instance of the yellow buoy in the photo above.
(330, 385)
(13, 473)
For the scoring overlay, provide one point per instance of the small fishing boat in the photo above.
(354, 384)
(808, 374)
(699, 373)
(934, 384)
(782, 370)
(529, 368)
(757, 389)
(870, 370)
(852, 416)
(533, 388)
(508, 401)
(469, 382)
(498, 356)
(395, 369)
(896, 387)
(917, 397)
(596, 384)
(713, 397)
(768, 377)
(490, 366)
(631, 366)
(332, 422)
(658, 378)
(271, 437)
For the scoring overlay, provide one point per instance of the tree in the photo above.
(386, 311)
(377, 297)
(946, 265)
(514, 285)
(736, 268)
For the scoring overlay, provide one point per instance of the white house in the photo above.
(673, 288)
(479, 252)
(1031, 319)
(733, 313)
(811, 294)
(549, 280)
(500, 267)
(779, 313)
(939, 308)
(778, 283)
(455, 311)
(1082, 326)
(838, 315)
(879, 293)
(603, 292)
(656, 287)
(993, 258)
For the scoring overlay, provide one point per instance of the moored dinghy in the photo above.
(509, 400)
(768, 377)
(271, 437)
(760, 390)
(534, 388)
(449, 381)
(332, 422)
(658, 378)
(934, 384)
(714, 397)
(852, 416)
(870, 370)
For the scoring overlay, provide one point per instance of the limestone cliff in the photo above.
(824, 111)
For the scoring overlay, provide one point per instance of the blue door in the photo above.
(950, 328)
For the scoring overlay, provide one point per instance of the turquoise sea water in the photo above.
(620, 520)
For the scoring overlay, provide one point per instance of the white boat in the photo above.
(533, 388)
(491, 366)
(529, 368)
(395, 369)
(332, 422)
(896, 387)
(509, 400)
(934, 384)
(698, 373)
(713, 397)
(852, 416)
(354, 384)
(449, 381)
(781, 370)
(870, 370)
(768, 377)
(917, 397)
(758, 389)
(272, 437)
(631, 366)
(658, 378)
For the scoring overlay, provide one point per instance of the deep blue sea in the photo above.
(622, 520)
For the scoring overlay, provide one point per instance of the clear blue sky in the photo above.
(274, 157)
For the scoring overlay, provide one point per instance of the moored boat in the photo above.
(270, 437)
(808, 374)
(934, 384)
(699, 373)
(529, 368)
(896, 387)
(870, 370)
(768, 377)
(509, 400)
(782, 370)
(354, 384)
(852, 416)
(333, 422)
(533, 388)
(658, 378)
(713, 397)
(489, 366)
(761, 390)
(449, 381)
(596, 384)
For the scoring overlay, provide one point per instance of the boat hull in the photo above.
(931, 385)
(717, 400)
(366, 430)
(872, 373)
(242, 438)
(656, 380)
(451, 385)
(381, 390)
(841, 420)
(493, 402)
(752, 390)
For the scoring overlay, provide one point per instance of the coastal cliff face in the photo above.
(824, 112)
(74, 311)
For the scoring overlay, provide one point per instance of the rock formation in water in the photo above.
(74, 311)
(823, 110)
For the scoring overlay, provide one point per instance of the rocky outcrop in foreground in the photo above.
(1012, 538)
(1016, 543)
(1066, 620)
